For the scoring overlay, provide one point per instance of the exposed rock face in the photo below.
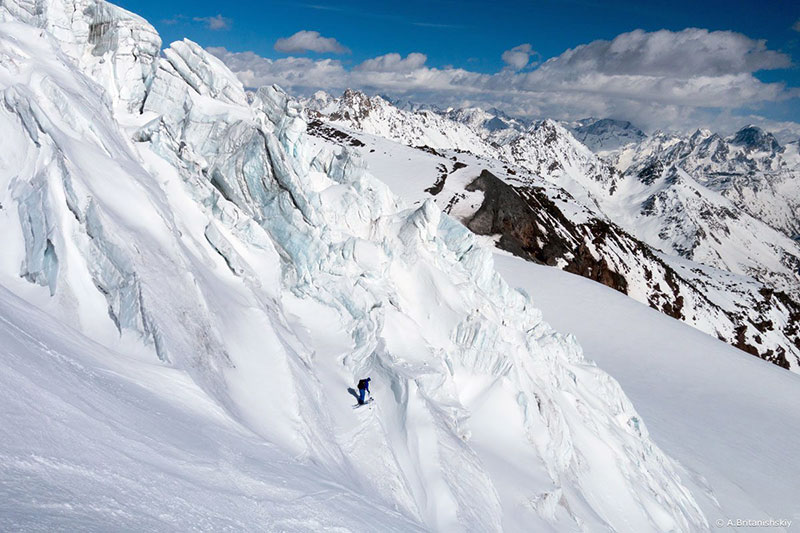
(527, 221)
(606, 134)
(754, 138)
(532, 226)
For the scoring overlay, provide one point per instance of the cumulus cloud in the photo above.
(686, 53)
(215, 23)
(517, 58)
(659, 79)
(309, 41)
(393, 63)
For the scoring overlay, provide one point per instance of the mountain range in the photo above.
(665, 219)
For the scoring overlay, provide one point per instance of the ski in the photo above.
(356, 406)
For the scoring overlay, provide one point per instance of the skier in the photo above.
(363, 387)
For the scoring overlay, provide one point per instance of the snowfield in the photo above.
(189, 286)
(93, 440)
(726, 416)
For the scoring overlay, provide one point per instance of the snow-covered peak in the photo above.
(489, 120)
(356, 105)
(471, 116)
(549, 150)
(319, 100)
(602, 135)
(754, 138)
(376, 115)
(699, 135)
(750, 168)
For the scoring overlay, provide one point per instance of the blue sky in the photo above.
(472, 36)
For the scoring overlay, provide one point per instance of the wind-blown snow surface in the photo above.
(234, 282)
(729, 418)
(96, 441)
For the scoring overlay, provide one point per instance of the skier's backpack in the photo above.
(362, 384)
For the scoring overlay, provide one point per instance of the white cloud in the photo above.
(309, 41)
(215, 23)
(518, 57)
(796, 25)
(690, 52)
(393, 63)
(663, 79)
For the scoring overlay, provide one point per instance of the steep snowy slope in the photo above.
(207, 239)
(728, 417)
(93, 440)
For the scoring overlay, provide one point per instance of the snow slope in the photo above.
(729, 418)
(218, 256)
(93, 440)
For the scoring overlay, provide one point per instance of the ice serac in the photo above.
(116, 48)
(215, 239)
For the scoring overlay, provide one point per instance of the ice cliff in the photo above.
(149, 203)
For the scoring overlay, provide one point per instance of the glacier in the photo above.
(168, 235)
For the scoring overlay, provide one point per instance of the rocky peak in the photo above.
(354, 106)
(606, 133)
(700, 135)
(754, 138)
(495, 124)
(355, 98)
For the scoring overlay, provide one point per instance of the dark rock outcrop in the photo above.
(532, 226)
